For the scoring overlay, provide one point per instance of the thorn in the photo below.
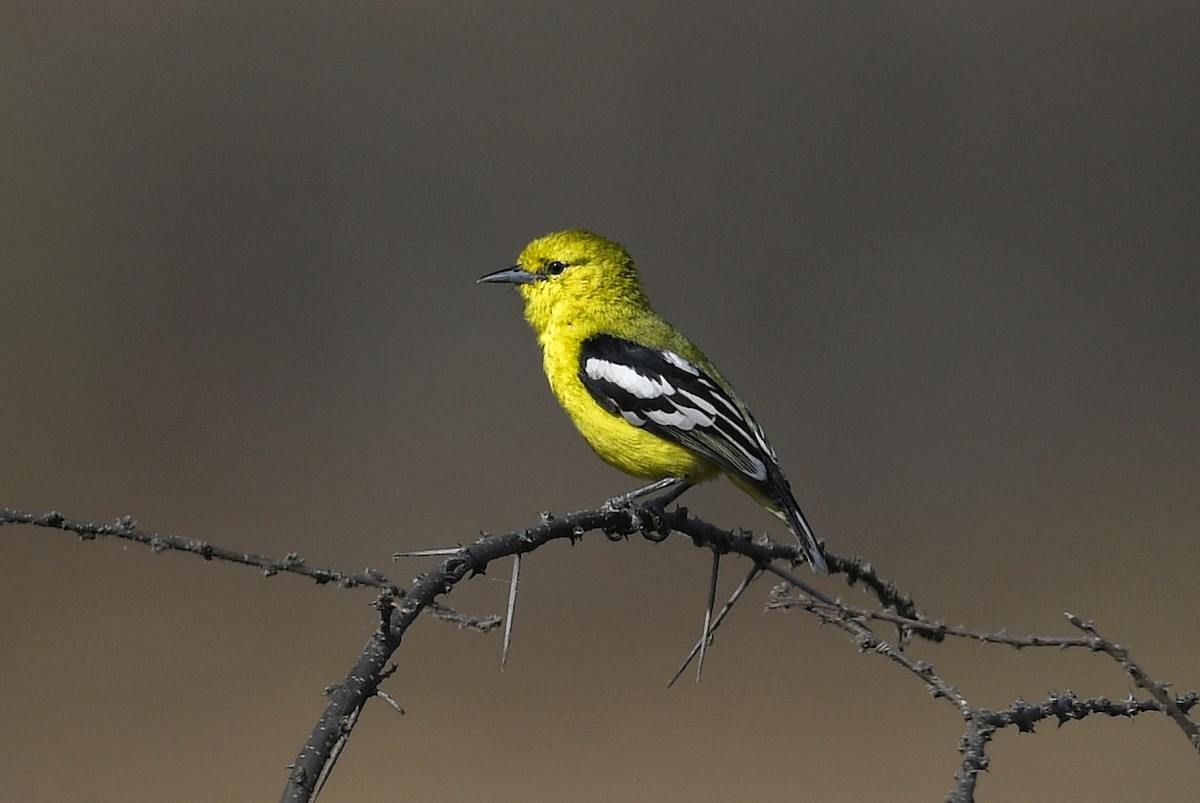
(755, 571)
(382, 695)
(706, 636)
(512, 608)
(426, 553)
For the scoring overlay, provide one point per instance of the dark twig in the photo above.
(1024, 716)
(1159, 691)
(889, 595)
(781, 600)
(983, 724)
(765, 551)
(126, 528)
(867, 641)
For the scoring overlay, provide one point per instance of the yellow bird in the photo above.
(644, 397)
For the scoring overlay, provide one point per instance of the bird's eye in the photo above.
(555, 268)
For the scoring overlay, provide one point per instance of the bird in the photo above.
(644, 397)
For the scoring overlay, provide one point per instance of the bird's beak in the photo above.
(513, 275)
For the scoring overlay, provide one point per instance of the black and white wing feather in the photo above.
(664, 393)
(660, 391)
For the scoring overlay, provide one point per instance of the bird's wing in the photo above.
(664, 393)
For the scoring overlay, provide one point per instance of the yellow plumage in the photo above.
(643, 396)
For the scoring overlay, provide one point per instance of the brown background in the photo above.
(947, 251)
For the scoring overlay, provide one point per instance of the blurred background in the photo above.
(946, 251)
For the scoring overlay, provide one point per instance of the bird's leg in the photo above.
(673, 487)
(655, 529)
(672, 493)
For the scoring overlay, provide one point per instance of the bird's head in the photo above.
(571, 276)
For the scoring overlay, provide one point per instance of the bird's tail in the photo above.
(793, 516)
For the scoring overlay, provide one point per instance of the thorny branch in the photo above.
(1159, 691)
(648, 519)
(982, 723)
(400, 607)
(126, 528)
